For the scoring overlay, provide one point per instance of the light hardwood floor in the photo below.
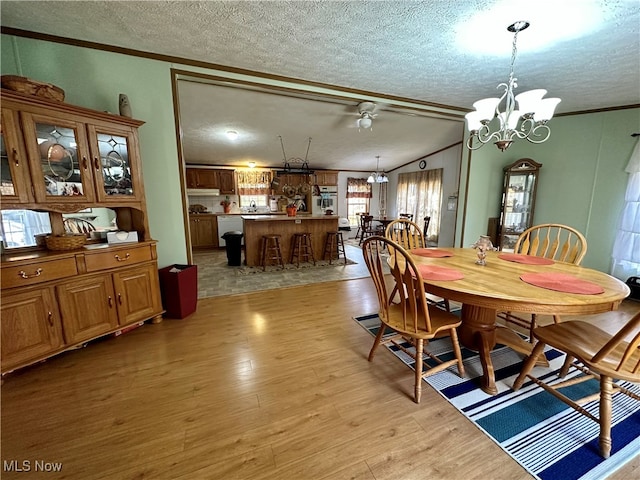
(266, 385)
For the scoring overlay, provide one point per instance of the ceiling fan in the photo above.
(367, 114)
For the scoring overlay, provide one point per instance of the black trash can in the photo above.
(234, 248)
(179, 290)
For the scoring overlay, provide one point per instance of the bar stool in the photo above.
(301, 247)
(334, 244)
(271, 251)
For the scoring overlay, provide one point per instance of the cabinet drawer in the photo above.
(22, 275)
(118, 258)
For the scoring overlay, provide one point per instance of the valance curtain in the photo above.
(254, 182)
(420, 193)
(358, 188)
(626, 249)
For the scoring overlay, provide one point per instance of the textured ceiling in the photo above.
(409, 49)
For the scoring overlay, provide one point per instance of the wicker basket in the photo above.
(32, 87)
(65, 242)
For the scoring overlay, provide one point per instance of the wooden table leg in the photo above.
(478, 332)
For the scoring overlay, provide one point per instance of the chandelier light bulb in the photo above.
(364, 122)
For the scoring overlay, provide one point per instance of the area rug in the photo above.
(244, 270)
(548, 438)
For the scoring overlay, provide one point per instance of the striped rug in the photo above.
(549, 439)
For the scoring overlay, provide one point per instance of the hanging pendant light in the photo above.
(533, 111)
(377, 176)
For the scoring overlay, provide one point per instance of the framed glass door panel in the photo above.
(14, 167)
(58, 152)
(116, 178)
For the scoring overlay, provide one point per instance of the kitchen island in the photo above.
(255, 226)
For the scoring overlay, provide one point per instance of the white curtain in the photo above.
(420, 193)
(626, 249)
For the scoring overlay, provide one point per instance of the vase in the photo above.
(124, 105)
(291, 211)
(482, 245)
(227, 208)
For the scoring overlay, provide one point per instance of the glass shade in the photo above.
(382, 178)
(473, 121)
(364, 122)
(546, 109)
(529, 102)
(486, 108)
(372, 178)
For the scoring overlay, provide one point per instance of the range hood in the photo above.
(203, 192)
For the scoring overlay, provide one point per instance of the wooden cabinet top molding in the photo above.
(13, 99)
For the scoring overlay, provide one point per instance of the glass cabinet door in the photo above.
(518, 200)
(14, 168)
(58, 153)
(116, 178)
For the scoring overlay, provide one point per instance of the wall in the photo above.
(582, 180)
(94, 79)
(449, 161)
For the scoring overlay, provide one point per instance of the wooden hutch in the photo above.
(63, 159)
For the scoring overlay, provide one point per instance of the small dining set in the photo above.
(502, 297)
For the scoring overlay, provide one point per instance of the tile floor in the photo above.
(216, 278)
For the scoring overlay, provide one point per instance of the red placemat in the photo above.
(431, 252)
(433, 272)
(561, 282)
(528, 259)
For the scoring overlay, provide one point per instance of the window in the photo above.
(358, 197)
(420, 193)
(626, 249)
(253, 200)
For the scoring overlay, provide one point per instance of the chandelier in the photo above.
(377, 176)
(532, 115)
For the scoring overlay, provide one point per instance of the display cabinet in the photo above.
(60, 158)
(518, 200)
(67, 157)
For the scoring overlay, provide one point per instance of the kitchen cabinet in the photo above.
(518, 200)
(30, 327)
(204, 230)
(227, 182)
(223, 180)
(326, 178)
(76, 157)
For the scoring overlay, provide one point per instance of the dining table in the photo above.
(511, 282)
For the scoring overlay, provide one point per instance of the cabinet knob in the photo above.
(120, 299)
(110, 302)
(24, 274)
(50, 318)
(96, 163)
(16, 158)
(120, 259)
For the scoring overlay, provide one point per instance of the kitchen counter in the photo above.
(255, 226)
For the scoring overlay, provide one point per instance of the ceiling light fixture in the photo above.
(232, 134)
(534, 111)
(377, 176)
(252, 164)
(366, 111)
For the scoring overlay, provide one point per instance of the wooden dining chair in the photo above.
(408, 234)
(413, 319)
(367, 228)
(553, 241)
(601, 356)
(78, 225)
